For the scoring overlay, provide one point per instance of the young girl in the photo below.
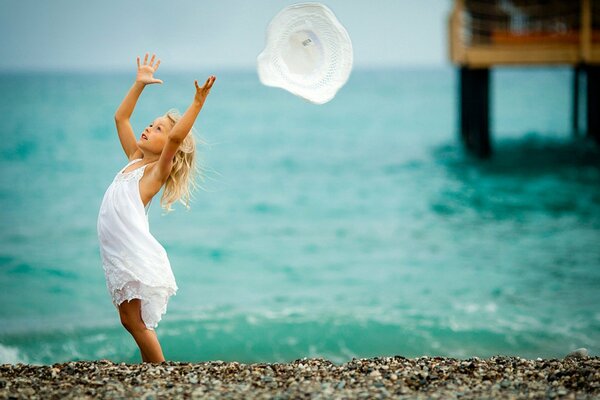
(137, 269)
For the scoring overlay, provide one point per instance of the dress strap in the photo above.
(129, 163)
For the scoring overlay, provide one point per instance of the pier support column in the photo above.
(475, 110)
(593, 101)
(576, 89)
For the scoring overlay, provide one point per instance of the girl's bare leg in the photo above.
(144, 357)
(146, 339)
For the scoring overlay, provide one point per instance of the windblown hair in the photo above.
(182, 181)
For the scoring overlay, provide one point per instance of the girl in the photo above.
(137, 269)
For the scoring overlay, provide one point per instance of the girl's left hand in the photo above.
(202, 92)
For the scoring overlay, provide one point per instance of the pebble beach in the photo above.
(315, 378)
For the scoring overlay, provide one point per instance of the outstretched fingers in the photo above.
(197, 86)
(151, 61)
(207, 85)
(209, 82)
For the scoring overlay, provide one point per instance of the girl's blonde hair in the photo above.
(182, 181)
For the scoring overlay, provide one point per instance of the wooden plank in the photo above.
(454, 33)
(486, 56)
(586, 30)
(594, 55)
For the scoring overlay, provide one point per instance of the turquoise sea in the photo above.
(357, 228)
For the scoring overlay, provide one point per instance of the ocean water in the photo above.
(357, 228)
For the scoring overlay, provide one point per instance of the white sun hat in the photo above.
(308, 53)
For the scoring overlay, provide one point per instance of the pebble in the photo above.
(578, 353)
(379, 377)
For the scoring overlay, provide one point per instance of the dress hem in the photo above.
(154, 300)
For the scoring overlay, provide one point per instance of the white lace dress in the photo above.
(135, 264)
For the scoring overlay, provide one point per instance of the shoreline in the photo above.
(377, 377)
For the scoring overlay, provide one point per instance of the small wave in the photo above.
(11, 355)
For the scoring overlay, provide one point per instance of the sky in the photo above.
(190, 34)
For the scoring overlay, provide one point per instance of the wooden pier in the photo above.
(488, 33)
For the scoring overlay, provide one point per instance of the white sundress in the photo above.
(135, 264)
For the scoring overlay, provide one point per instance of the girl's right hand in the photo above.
(145, 72)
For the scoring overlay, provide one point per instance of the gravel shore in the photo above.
(314, 378)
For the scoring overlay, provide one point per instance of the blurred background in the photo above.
(357, 228)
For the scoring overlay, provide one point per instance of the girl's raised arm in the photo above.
(145, 76)
(181, 129)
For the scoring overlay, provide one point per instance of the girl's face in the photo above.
(154, 137)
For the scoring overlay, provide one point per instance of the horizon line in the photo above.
(228, 68)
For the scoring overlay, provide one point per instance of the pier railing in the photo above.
(484, 33)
